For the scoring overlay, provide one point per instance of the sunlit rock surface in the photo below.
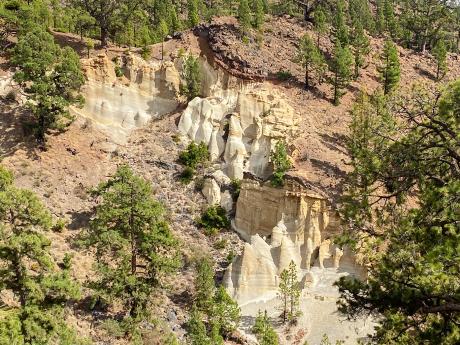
(240, 126)
(292, 224)
(118, 105)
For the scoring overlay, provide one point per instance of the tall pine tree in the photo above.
(389, 69)
(341, 67)
(134, 245)
(309, 57)
(29, 272)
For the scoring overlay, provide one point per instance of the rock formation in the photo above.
(283, 225)
(240, 127)
(120, 104)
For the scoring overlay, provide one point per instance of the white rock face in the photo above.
(211, 191)
(240, 127)
(119, 105)
(297, 227)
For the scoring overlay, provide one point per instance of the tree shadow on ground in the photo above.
(16, 131)
(335, 142)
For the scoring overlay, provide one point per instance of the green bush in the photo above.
(194, 155)
(236, 188)
(118, 71)
(191, 75)
(281, 163)
(220, 244)
(214, 219)
(283, 75)
(186, 175)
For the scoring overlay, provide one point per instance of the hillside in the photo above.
(135, 114)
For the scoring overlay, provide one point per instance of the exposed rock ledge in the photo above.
(240, 126)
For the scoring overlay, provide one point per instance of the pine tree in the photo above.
(341, 68)
(360, 44)
(440, 55)
(51, 77)
(309, 57)
(389, 69)
(289, 293)
(225, 311)
(340, 24)
(407, 149)
(197, 329)
(29, 271)
(380, 25)
(320, 22)
(264, 331)
(391, 23)
(191, 76)
(244, 16)
(192, 14)
(134, 245)
(204, 285)
(259, 14)
(281, 163)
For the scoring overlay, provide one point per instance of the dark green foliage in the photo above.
(236, 188)
(244, 16)
(283, 75)
(194, 155)
(289, 293)
(197, 333)
(389, 69)
(340, 24)
(321, 25)
(191, 76)
(204, 285)
(404, 151)
(281, 163)
(440, 55)
(264, 331)
(50, 75)
(134, 246)
(361, 49)
(213, 308)
(310, 57)
(225, 311)
(30, 273)
(342, 71)
(192, 13)
(259, 14)
(186, 176)
(360, 13)
(214, 219)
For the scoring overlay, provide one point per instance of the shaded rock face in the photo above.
(283, 225)
(120, 104)
(240, 127)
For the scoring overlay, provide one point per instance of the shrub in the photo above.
(220, 244)
(236, 188)
(194, 155)
(186, 175)
(146, 52)
(281, 163)
(214, 219)
(60, 225)
(283, 75)
(118, 71)
(191, 75)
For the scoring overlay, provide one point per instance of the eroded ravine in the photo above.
(241, 123)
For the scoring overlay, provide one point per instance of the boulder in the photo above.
(211, 192)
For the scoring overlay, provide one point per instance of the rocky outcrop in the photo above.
(118, 104)
(240, 127)
(283, 225)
